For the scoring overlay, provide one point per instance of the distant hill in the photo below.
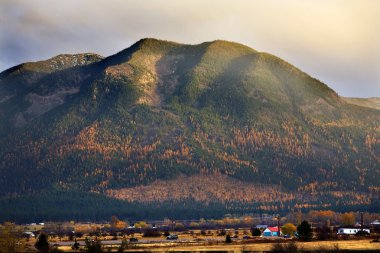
(366, 102)
(163, 129)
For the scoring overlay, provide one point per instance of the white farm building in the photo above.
(350, 231)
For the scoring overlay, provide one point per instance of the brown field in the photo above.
(335, 246)
(307, 246)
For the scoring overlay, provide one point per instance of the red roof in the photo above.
(273, 229)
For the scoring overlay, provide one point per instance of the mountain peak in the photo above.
(157, 65)
(225, 44)
(151, 45)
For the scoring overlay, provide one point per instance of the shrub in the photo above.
(290, 247)
(222, 232)
(93, 246)
(334, 249)
(151, 233)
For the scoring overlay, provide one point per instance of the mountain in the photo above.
(163, 129)
(366, 102)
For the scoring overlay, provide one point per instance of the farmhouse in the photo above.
(351, 231)
(271, 231)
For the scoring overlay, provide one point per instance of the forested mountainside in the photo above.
(162, 122)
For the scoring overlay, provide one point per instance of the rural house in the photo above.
(271, 231)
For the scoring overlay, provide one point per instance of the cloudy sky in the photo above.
(336, 41)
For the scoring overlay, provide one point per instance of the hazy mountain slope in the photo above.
(366, 102)
(161, 111)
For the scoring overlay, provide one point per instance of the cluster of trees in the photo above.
(320, 219)
(331, 218)
(203, 188)
(252, 141)
(77, 205)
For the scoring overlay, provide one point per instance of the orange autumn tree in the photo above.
(288, 229)
(117, 224)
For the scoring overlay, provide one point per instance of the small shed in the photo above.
(271, 231)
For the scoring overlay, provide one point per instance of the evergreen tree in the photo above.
(228, 239)
(255, 232)
(42, 243)
(304, 231)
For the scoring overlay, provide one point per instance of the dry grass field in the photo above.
(326, 246)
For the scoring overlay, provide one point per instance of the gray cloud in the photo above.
(333, 40)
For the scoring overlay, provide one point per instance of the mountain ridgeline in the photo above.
(163, 129)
